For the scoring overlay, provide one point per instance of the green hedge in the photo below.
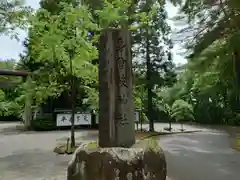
(44, 124)
(9, 118)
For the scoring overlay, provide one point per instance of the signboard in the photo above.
(64, 119)
(136, 117)
(97, 119)
(82, 119)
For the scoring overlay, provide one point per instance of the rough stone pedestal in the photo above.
(144, 161)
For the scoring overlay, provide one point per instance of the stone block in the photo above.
(143, 161)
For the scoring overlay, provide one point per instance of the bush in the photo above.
(9, 118)
(182, 111)
(143, 117)
(44, 124)
(234, 120)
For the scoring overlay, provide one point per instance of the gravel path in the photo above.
(30, 156)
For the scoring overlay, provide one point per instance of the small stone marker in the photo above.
(116, 112)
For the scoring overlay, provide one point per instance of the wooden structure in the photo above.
(4, 72)
(116, 113)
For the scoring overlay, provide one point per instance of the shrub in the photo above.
(182, 111)
(44, 124)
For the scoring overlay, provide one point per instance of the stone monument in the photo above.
(116, 113)
(117, 156)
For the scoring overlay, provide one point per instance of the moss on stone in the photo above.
(146, 134)
(236, 143)
(93, 144)
(65, 148)
(149, 144)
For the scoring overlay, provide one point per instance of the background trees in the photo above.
(152, 53)
(205, 89)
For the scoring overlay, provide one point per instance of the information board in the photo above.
(64, 119)
(136, 116)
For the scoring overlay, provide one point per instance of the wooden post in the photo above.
(27, 116)
(116, 113)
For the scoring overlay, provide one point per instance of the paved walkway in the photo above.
(198, 156)
(201, 156)
(30, 156)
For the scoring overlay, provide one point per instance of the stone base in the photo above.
(143, 161)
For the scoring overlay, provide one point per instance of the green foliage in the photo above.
(8, 106)
(210, 81)
(2, 95)
(55, 41)
(46, 124)
(152, 55)
(182, 111)
(67, 31)
(139, 95)
(119, 14)
(12, 15)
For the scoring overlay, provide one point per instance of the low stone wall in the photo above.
(144, 161)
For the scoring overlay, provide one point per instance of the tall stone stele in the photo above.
(116, 113)
(118, 157)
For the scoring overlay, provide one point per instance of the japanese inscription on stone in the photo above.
(116, 126)
(121, 117)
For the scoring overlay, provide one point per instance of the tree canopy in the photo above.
(206, 90)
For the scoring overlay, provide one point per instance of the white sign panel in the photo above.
(79, 119)
(63, 119)
(136, 116)
(82, 119)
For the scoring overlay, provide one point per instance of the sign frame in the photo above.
(64, 119)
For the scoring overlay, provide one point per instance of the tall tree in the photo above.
(152, 44)
(59, 43)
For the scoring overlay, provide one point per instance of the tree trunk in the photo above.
(237, 73)
(149, 86)
(170, 124)
(72, 81)
(27, 116)
(73, 113)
